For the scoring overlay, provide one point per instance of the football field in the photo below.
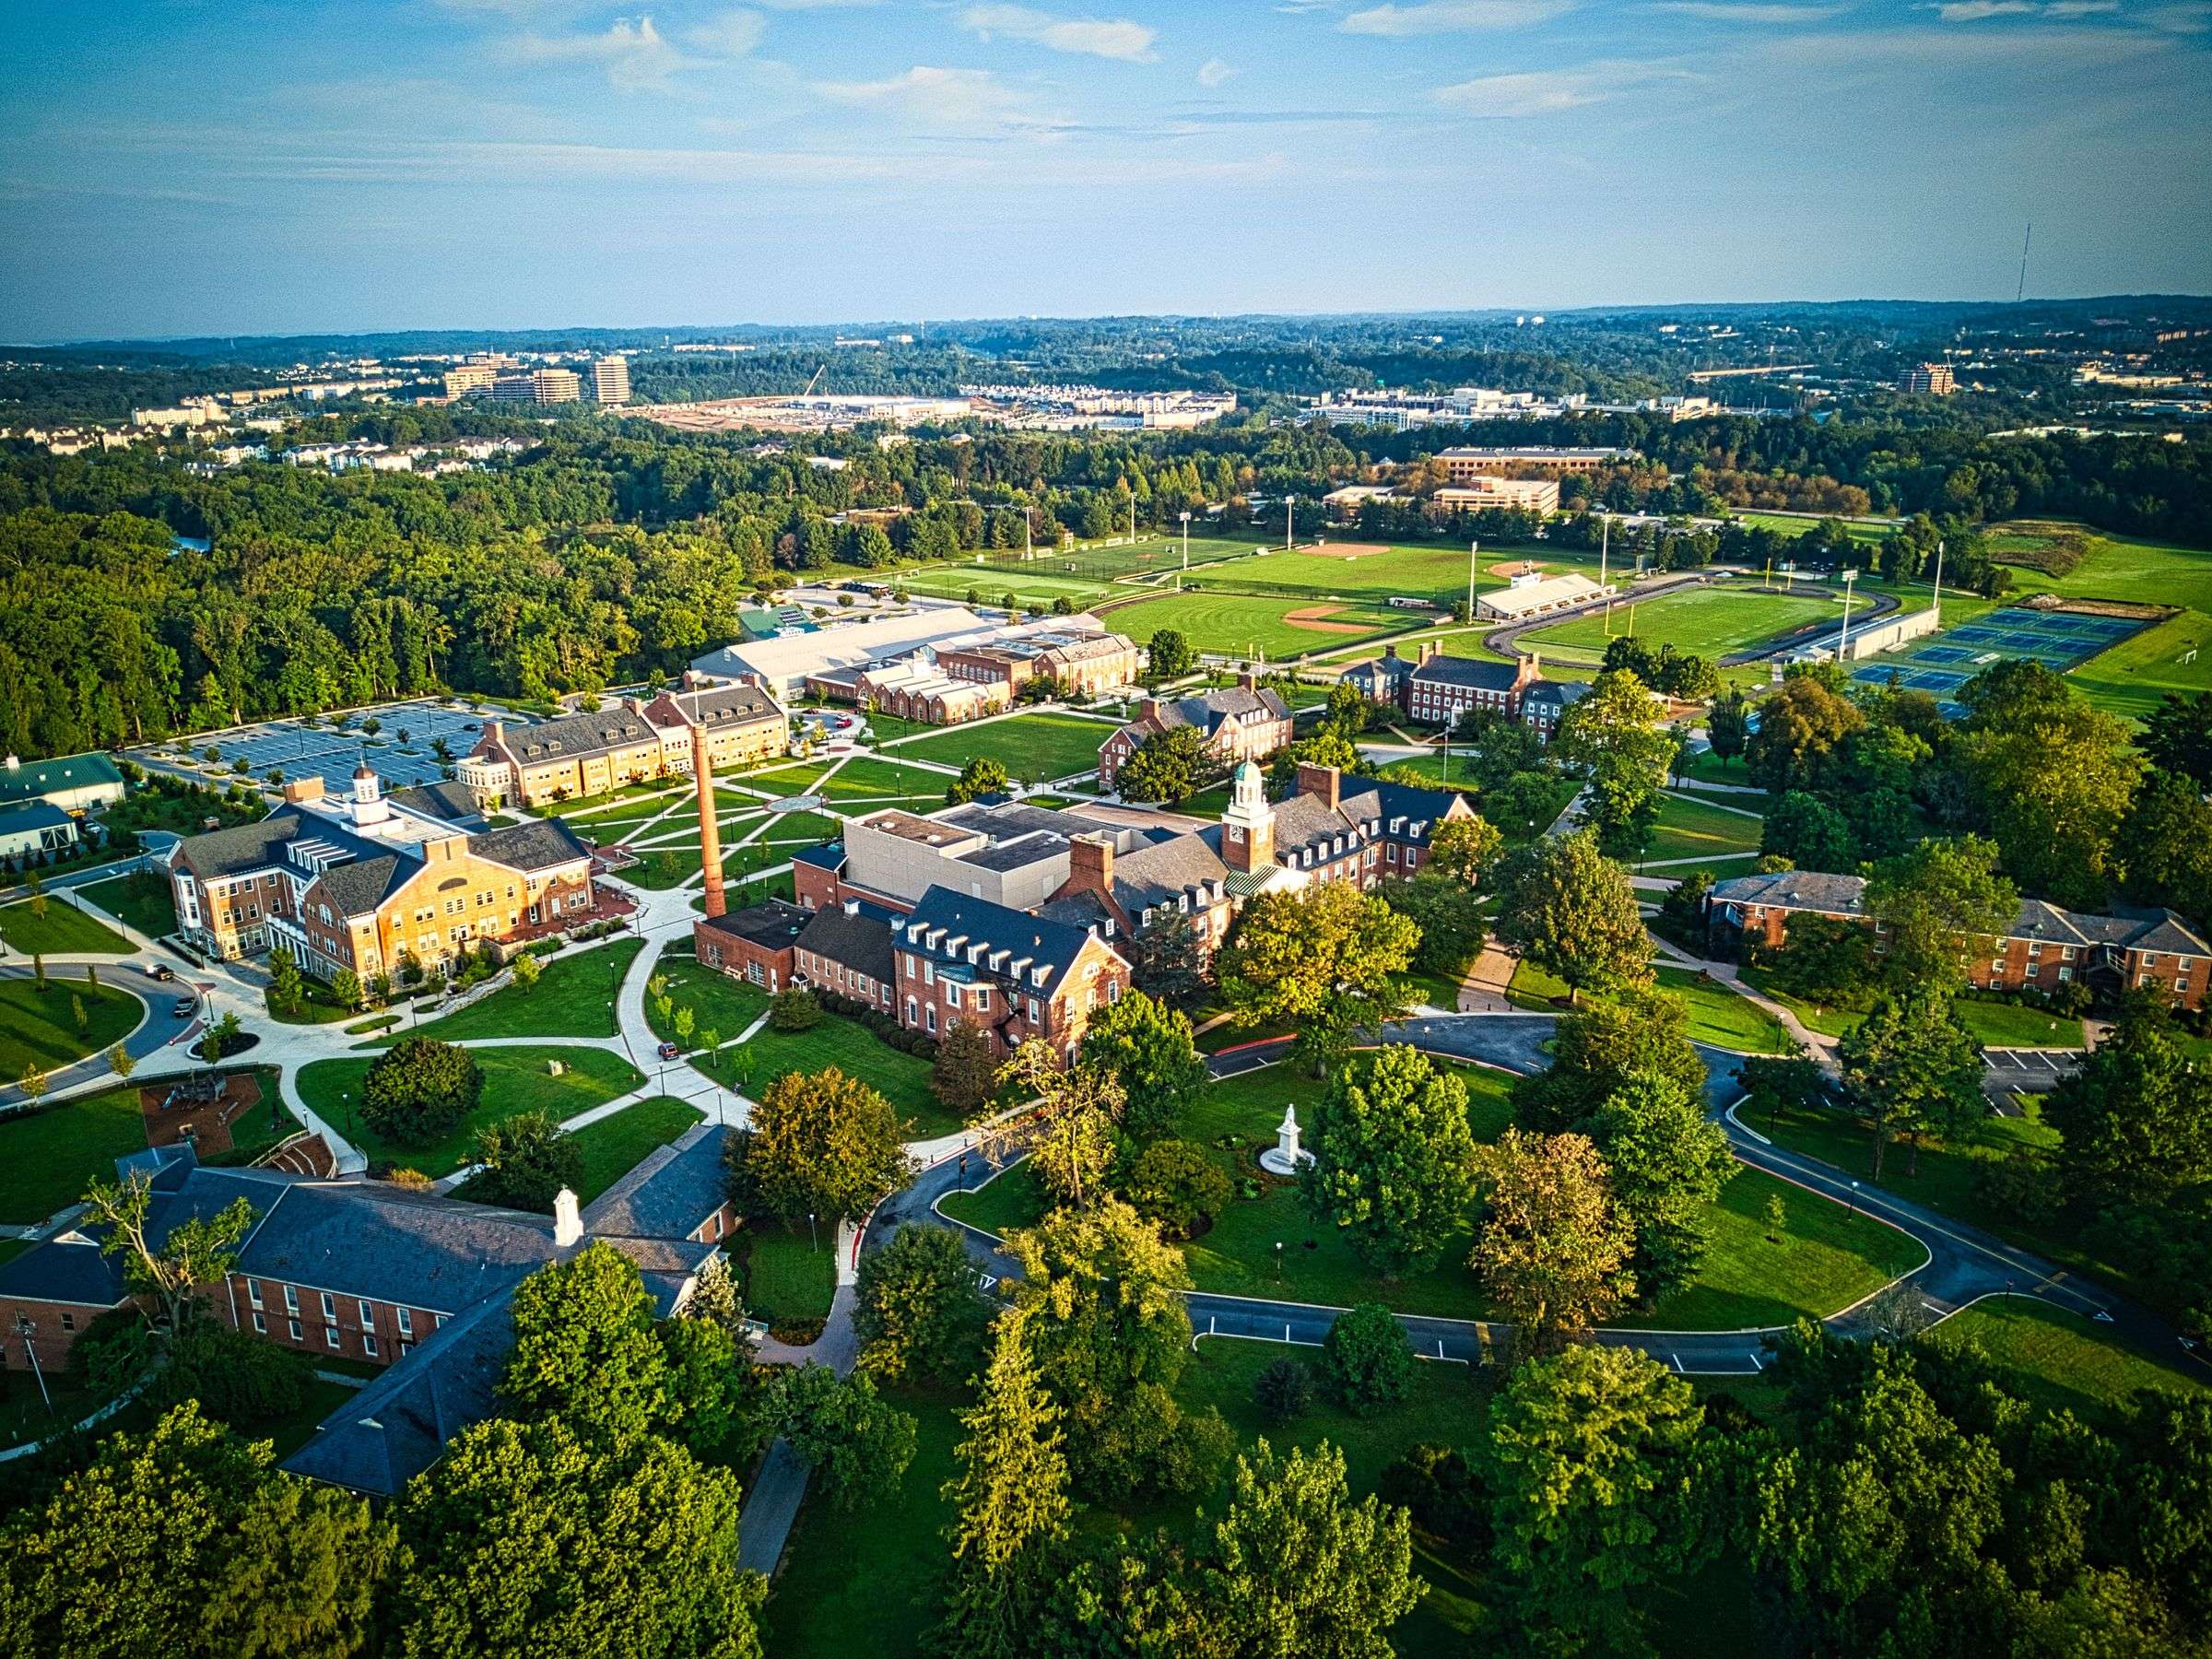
(1243, 625)
(1705, 621)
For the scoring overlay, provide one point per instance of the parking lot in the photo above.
(1944, 661)
(2008, 1072)
(398, 750)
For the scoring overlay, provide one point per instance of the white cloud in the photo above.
(1453, 17)
(1130, 42)
(734, 34)
(1973, 11)
(634, 54)
(1748, 11)
(965, 100)
(795, 5)
(1213, 72)
(1545, 91)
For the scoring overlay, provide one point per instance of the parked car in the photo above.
(161, 971)
(670, 1051)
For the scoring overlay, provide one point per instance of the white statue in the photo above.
(1285, 1156)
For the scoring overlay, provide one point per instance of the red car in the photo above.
(670, 1051)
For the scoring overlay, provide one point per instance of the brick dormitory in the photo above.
(366, 1271)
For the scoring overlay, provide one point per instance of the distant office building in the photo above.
(1930, 380)
(469, 378)
(610, 380)
(557, 385)
(1464, 465)
(1529, 495)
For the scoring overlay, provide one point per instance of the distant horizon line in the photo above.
(1622, 308)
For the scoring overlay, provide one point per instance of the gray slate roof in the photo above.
(217, 853)
(1162, 872)
(862, 943)
(537, 845)
(1043, 943)
(448, 802)
(574, 736)
(668, 1195)
(1466, 671)
(369, 1239)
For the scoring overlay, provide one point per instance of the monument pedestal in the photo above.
(1284, 1156)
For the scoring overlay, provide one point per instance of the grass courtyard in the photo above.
(515, 1079)
(40, 1029)
(142, 902)
(64, 930)
(1032, 748)
(1704, 622)
(1694, 827)
(574, 997)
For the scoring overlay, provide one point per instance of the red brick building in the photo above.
(1014, 974)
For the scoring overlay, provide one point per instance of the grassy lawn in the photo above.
(290, 1433)
(2014, 1025)
(1822, 1262)
(900, 1078)
(40, 1029)
(1241, 626)
(1705, 767)
(573, 997)
(1033, 747)
(515, 1079)
(48, 1156)
(616, 1145)
(2133, 676)
(1692, 828)
(1718, 1016)
(2061, 1360)
(62, 929)
(864, 776)
(715, 998)
(1707, 622)
(789, 1279)
(1827, 1021)
(147, 906)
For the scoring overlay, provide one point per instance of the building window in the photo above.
(261, 1324)
(330, 1336)
(330, 1308)
(253, 1291)
(295, 1328)
(406, 1322)
(929, 1016)
(68, 1322)
(367, 1316)
(368, 1343)
(291, 1299)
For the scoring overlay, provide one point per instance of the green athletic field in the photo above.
(1709, 622)
(2131, 677)
(1788, 524)
(1238, 625)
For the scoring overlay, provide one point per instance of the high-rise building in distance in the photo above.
(610, 380)
(557, 385)
(1930, 380)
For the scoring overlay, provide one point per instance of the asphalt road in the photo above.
(160, 1027)
(1964, 1264)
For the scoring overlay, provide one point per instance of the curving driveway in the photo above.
(1964, 1264)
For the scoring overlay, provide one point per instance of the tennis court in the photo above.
(1940, 664)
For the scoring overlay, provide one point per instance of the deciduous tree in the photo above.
(858, 1442)
(1569, 910)
(1150, 1051)
(171, 1266)
(1324, 960)
(1552, 1254)
(981, 776)
(585, 1348)
(418, 1089)
(965, 1074)
(819, 1143)
(918, 1313)
(1913, 1069)
(1367, 1361)
(528, 1159)
(1395, 1159)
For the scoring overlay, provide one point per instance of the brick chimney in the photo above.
(1148, 707)
(1247, 679)
(1090, 864)
(1322, 782)
(710, 831)
(568, 1223)
(300, 790)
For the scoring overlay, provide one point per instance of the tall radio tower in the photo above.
(2022, 293)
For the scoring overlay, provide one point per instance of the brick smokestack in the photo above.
(1090, 864)
(1322, 782)
(709, 832)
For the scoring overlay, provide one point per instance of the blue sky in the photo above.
(173, 167)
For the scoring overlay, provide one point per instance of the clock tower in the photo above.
(1248, 827)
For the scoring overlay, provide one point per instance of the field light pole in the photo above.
(1473, 547)
(1939, 606)
(1844, 643)
(1289, 535)
(1186, 541)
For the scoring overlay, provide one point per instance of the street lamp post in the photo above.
(814, 1237)
(1473, 547)
(1186, 540)
(1278, 1260)
(28, 1331)
(1852, 1209)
